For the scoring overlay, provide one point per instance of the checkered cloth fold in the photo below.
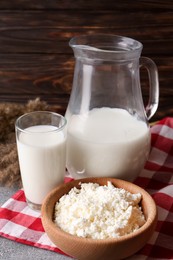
(18, 222)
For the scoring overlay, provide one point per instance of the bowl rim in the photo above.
(151, 218)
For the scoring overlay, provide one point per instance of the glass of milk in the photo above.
(41, 145)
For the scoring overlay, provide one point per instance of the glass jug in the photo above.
(108, 133)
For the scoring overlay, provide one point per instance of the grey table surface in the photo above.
(11, 250)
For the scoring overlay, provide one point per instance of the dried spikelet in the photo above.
(9, 166)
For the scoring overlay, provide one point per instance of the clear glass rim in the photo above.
(99, 42)
(57, 129)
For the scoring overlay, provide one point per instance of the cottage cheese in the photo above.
(99, 212)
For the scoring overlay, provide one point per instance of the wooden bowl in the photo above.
(101, 249)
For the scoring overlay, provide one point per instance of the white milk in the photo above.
(42, 160)
(107, 142)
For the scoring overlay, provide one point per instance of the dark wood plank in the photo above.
(49, 32)
(27, 76)
(35, 69)
(56, 40)
(124, 5)
(84, 19)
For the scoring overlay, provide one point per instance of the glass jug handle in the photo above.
(153, 84)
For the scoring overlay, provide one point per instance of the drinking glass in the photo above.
(41, 146)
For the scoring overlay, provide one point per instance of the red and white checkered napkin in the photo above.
(18, 222)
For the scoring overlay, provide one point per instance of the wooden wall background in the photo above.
(36, 61)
